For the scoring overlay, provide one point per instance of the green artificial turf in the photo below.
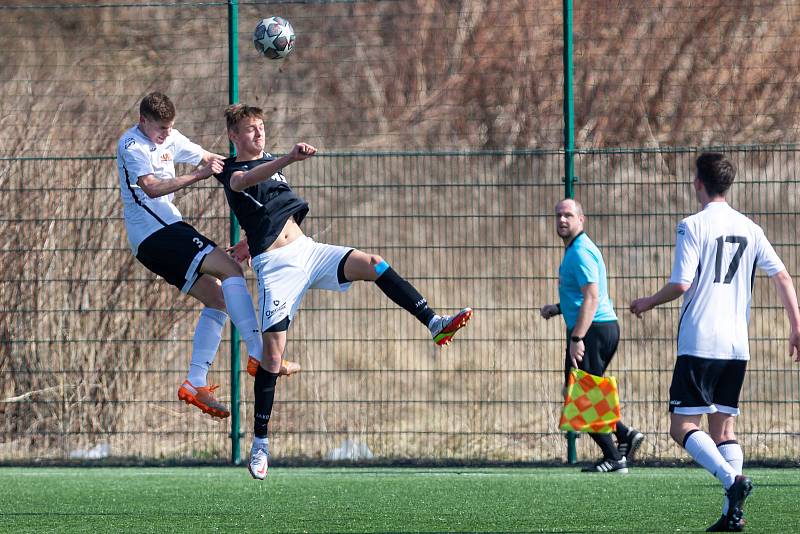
(222, 499)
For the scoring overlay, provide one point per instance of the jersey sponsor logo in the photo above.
(278, 307)
(128, 142)
(278, 177)
(166, 156)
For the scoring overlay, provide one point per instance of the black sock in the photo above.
(621, 432)
(405, 295)
(606, 444)
(264, 389)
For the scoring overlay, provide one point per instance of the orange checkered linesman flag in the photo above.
(591, 404)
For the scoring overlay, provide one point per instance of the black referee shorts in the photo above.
(601, 341)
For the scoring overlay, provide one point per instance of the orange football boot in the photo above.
(287, 368)
(203, 398)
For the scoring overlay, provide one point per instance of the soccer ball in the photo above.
(274, 37)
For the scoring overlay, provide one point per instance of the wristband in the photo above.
(576, 339)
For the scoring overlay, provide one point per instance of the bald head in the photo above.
(569, 219)
(571, 204)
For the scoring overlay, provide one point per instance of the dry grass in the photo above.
(93, 348)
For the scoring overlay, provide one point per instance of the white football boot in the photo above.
(258, 465)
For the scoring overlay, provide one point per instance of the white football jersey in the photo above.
(138, 156)
(717, 252)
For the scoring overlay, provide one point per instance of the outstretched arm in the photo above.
(155, 187)
(242, 180)
(785, 288)
(208, 157)
(666, 294)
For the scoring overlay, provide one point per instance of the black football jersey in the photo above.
(264, 208)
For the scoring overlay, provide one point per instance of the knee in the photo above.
(364, 266)
(274, 345)
(271, 361)
(219, 303)
(232, 269)
(378, 266)
(722, 437)
(679, 429)
(271, 357)
(721, 427)
(721, 433)
(217, 299)
(677, 434)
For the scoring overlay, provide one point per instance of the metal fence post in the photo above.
(233, 97)
(569, 149)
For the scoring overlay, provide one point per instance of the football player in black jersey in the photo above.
(288, 263)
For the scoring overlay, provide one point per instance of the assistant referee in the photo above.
(592, 327)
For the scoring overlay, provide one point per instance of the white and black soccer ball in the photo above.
(274, 38)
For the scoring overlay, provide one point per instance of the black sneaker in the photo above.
(722, 525)
(631, 444)
(608, 466)
(737, 493)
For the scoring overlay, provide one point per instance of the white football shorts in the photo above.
(285, 274)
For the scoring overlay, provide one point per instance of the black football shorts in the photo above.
(706, 385)
(175, 253)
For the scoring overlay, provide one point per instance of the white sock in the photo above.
(732, 452)
(207, 335)
(704, 451)
(260, 442)
(243, 315)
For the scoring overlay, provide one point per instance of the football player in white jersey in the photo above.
(716, 253)
(174, 250)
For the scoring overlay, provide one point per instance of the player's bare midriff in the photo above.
(291, 231)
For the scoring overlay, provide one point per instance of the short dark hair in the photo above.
(716, 172)
(158, 107)
(236, 112)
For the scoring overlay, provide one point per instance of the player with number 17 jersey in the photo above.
(717, 252)
(716, 256)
